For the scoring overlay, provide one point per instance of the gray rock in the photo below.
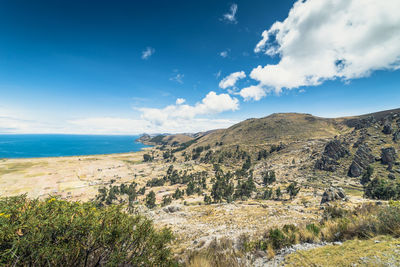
(361, 123)
(172, 209)
(362, 159)
(388, 155)
(332, 194)
(387, 128)
(333, 151)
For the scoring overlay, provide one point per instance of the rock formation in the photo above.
(332, 194)
(333, 151)
(388, 155)
(362, 159)
(387, 128)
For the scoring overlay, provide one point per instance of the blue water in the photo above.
(57, 145)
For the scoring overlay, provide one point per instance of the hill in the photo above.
(279, 127)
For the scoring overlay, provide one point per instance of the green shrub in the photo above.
(166, 200)
(55, 232)
(382, 189)
(277, 238)
(333, 212)
(150, 200)
(313, 229)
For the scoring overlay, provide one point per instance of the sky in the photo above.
(131, 67)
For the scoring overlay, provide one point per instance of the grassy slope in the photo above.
(276, 128)
(379, 251)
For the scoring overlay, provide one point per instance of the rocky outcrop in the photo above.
(362, 159)
(334, 150)
(326, 164)
(332, 194)
(388, 155)
(387, 128)
(143, 138)
(361, 123)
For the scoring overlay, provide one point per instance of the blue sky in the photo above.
(118, 67)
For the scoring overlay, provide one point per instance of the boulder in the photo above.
(388, 155)
(172, 209)
(387, 128)
(326, 164)
(333, 151)
(362, 159)
(332, 194)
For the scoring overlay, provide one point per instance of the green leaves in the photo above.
(61, 233)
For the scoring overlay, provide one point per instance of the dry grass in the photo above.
(219, 253)
(379, 251)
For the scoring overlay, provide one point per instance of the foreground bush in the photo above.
(54, 232)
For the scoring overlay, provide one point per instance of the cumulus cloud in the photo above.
(327, 40)
(212, 103)
(178, 118)
(231, 79)
(253, 92)
(231, 15)
(148, 52)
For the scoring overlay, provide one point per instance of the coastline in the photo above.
(149, 147)
(72, 177)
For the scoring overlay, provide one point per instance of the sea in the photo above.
(60, 145)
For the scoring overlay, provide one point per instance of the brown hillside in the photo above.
(279, 127)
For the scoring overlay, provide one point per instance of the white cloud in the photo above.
(177, 78)
(212, 103)
(180, 101)
(218, 74)
(327, 40)
(148, 52)
(231, 15)
(231, 79)
(179, 118)
(224, 54)
(253, 92)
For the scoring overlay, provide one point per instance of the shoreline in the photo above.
(72, 177)
(88, 155)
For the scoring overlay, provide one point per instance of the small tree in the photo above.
(293, 190)
(278, 193)
(166, 200)
(147, 158)
(366, 178)
(190, 188)
(142, 190)
(207, 199)
(267, 194)
(178, 194)
(151, 200)
(269, 177)
(247, 164)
